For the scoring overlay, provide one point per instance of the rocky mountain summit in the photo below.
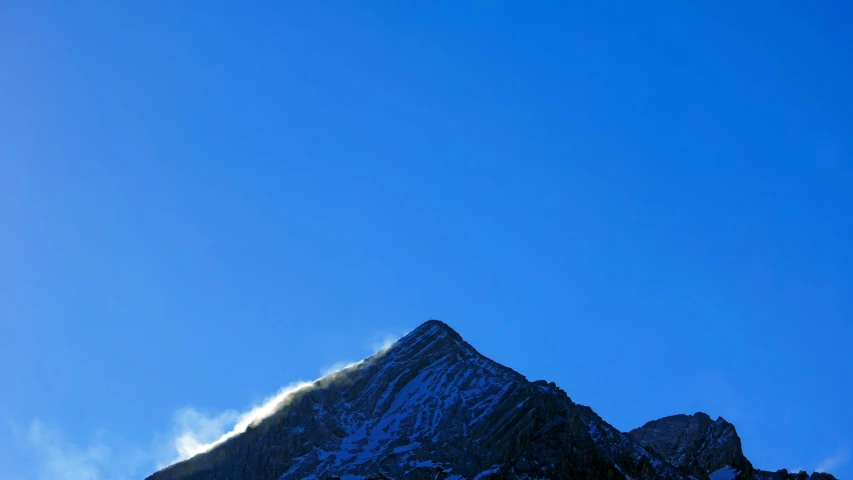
(431, 407)
(691, 442)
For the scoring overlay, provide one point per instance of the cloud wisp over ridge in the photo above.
(379, 344)
(198, 432)
(58, 460)
(104, 457)
(834, 461)
(192, 432)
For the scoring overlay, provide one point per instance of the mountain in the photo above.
(432, 407)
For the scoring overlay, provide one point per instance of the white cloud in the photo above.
(197, 432)
(59, 460)
(337, 366)
(192, 432)
(382, 342)
(834, 461)
(104, 457)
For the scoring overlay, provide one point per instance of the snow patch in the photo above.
(484, 474)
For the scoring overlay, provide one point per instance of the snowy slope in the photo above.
(431, 406)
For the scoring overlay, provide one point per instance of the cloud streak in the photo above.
(833, 462)
(337, 367)
(193, 432)
(59, 460)
(385, 342)
(379, 344)
(199, 433)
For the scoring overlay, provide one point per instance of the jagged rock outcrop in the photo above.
(694, 444)
(432, 407)
(698, 447)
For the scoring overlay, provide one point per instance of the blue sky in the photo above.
(645, 202)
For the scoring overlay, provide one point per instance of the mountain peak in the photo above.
(430, 406)
(703, 416)
(434, 326)
(696, 439)
(431, 339)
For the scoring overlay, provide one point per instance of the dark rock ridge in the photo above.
(693, 442)
(431, 407)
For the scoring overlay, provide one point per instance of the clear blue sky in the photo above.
(648, 203)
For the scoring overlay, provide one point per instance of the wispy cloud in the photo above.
(379, 343)
(383, 341)
(104, 456)
(197, 432)
(834, 461)
(336, 367)
(192, 432)
(60, 461)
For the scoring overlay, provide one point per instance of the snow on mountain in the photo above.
(430, 406)
(725, 473)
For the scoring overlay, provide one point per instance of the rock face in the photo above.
(694, 443)
(431, 407)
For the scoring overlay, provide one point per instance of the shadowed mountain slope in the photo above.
(431, 407)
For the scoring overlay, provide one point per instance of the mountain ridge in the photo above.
(431, 406)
